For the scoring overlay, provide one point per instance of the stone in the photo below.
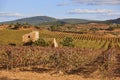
(32, 36)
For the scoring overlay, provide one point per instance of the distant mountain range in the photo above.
(50, 20)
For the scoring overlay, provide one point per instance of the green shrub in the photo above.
(16, 26)
(41, 42)
(12, 44)
(68, 41)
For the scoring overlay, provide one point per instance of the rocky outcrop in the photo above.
(33, 36)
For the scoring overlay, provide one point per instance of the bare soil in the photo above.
(27, 75)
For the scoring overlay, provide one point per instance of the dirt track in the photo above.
(5, 75)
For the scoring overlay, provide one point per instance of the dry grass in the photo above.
(80, 40)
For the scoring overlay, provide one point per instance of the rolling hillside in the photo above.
(50, 20)
(47, 20)
(33, 20)
(76, 21)
(114, 21)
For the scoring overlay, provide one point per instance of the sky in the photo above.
(82, 9)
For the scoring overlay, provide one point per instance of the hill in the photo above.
(37, 20)
(117, 21)
(76, 21)
(33, 20)
(47, 20)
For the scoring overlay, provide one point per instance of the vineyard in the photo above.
(92, 54)
(84, 62)
(80, 40)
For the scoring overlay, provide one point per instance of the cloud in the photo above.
(105, 12)
(88, 11)
(5, 14)
(90, 2)
(98, 14)
(97, 2)
(114, 13)
(62, 4)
